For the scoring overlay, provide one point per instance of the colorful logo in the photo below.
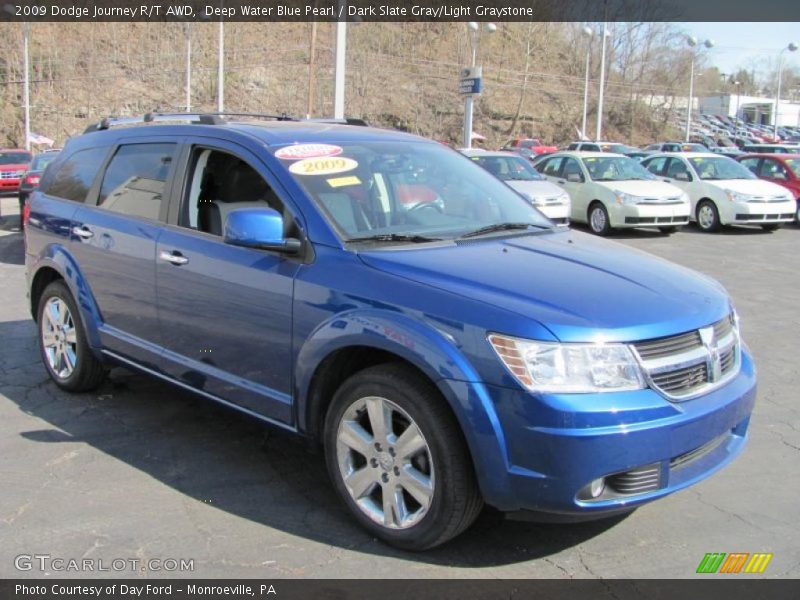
(735, 562)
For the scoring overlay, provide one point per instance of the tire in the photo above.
(797, 214)
(62, 342)
(707, 216)
(771, 226)
(438, 471)
(598, 219)
(668, 230)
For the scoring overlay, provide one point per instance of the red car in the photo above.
(532, 144)
(13, 163)
(783, 169)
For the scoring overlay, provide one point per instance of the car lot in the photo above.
(141, 470)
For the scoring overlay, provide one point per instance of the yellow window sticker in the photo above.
(323, 166)
(343, 181)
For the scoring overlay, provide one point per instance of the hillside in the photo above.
(399, 75)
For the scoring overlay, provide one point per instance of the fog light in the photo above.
(597, 487)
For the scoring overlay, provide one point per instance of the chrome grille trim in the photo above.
(693, 363)
(636, 481)
(699, 452)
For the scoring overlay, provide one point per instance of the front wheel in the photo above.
(707, 216)
(62, 342)
(598, 219)
(398, 459)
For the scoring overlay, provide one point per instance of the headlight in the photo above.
(564, 198)
(532, 199)
(623, 198)
(734, 196)
(569, 368)
(685, 198)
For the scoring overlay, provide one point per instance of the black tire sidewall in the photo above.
(599, 206)
(715, 225)
(371, 383)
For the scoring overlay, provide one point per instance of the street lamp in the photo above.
(473, 32)
(792, 47)
(187, 31)
(692, 41)
(26, 90)
(587, 31)
(606, 33)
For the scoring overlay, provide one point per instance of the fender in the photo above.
(56, 257)
(433, 352)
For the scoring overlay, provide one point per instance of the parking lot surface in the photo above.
(139, 470)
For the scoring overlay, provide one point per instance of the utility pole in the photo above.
(221, 68)
(187, 30)
(26, 29)
(312, 69)
(341, 54)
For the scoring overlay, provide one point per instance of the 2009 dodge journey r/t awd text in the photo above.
(446, 351)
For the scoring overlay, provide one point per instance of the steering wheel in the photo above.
(420, 205)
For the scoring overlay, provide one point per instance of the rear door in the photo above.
(225, 312)
(115, 236)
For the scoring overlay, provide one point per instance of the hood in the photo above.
(537, 189)
(751, 187)
(578, 286)
(646, 189)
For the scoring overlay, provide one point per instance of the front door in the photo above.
(226, 312)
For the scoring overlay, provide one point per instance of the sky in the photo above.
(747, 45)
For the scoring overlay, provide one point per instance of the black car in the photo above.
(30, 180)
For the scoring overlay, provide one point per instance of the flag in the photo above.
(38, 139)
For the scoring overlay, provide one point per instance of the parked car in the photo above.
(532, 144)
(612, 191)
(443, 356)
(13, 163)
(782, 169)
(520, 175)
(614, 147)
(30, 179)
(723, 192)
(675, 147)
(770, 149)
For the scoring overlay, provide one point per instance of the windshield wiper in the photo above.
(500, 227)
(394, 237)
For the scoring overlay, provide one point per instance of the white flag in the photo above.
(35, 138)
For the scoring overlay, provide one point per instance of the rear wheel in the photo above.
(398, 460)
(707, 216)
(598, 219)
(62, 342)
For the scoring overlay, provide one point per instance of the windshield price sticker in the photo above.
(323, 166)
(301, 151)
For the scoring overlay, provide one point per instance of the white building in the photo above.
(753, 109)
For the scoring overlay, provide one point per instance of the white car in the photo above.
(723, 191)
(610, 191)
(517, 172)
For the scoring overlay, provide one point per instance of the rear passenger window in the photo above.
(134, 181)
(76, 175)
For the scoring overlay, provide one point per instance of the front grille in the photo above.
(653, 220)
(760, 217)
(636, 481)
(697, 453)
(686, 365)
(8, 175)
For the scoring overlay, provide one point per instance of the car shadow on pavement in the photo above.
(216, 456)
(12, 249)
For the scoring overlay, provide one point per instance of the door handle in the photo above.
(174, 257)
(667, 180)
(82, 232)
(561, 181)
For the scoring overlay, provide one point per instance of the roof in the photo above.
(690, 154)
(768, 155)
(480, 152)
(585, 154)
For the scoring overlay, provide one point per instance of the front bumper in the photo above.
(762, 212)
(556, 445)
(649, 215)
(9, 185)
(558, 213)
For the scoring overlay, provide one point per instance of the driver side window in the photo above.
(678, 170)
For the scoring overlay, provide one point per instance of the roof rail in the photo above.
(345, 121)
(215, 118)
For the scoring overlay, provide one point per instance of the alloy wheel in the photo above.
(59, 338)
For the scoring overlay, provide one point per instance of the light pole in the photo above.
(792, 47)
(738, 84)
(26, 85)
(605, 35)
(187, 31)
(587, 31)
(692, 41)
(341, 53)
(473, 31)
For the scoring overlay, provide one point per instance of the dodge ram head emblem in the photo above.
(713, 362)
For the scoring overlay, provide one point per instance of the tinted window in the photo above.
(508, 168)
(751, 163)
(655, 165)
(40, 161)
(551, 166)
(133, 183)
(14, 158)
(773, 169)
(75, 176)
(677, 168)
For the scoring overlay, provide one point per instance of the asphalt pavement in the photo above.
(141, 473)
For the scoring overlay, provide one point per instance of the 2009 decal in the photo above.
(323, 166)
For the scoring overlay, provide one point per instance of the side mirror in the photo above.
(682, 176)
(259, 228)
(575, 177)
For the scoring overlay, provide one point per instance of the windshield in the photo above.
(615, 168)
(617, 148)
(40, 161)
(508, 168)
(530, 143)
(693, 148)
(14, 158)
(794, 165)
(415, 189)
(720, 167)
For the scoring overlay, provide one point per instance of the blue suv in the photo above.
(443, 342)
